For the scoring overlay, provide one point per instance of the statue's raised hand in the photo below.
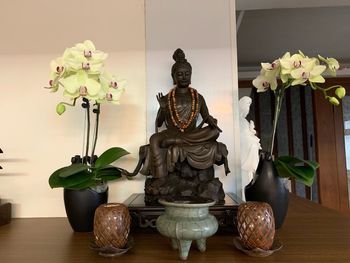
(161, 100)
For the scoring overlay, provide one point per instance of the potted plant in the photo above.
(292, 71)
(80, 73)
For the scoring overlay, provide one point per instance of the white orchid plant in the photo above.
(80, 73)
(294, 70)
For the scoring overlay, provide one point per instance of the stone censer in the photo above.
(185, 221)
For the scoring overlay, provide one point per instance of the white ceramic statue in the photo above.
(250, 143)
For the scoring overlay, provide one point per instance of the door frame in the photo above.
(330, 149)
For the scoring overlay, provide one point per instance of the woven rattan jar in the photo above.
(256, 225)
(112, 225)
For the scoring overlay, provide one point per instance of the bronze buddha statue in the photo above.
(179, 159)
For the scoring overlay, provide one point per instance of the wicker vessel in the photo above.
(256, 225)
(112, 225)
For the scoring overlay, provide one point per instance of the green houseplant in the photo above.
(80, 73)
(283, 73)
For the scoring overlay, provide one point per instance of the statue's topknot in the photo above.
(180, 61)
(179, 56)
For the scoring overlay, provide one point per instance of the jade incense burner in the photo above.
(185, 221)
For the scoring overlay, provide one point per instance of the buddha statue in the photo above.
(179, 159)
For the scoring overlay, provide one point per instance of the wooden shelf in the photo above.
(311, 233)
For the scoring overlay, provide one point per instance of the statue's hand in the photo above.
(161, 100)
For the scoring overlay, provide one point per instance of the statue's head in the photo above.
(244, 106)
(181, 71)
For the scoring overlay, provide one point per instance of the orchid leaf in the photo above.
(71, 170)
(108, 173)
(110, 156)
(72, 181)
(302, 170)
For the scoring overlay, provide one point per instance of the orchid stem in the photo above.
(87, 106)
(279, 94)
(97, 111)
(69, 104)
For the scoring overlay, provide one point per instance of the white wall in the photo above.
(203, 29)
(35, 140)
(270, 4)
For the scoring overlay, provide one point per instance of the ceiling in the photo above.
(266, 31)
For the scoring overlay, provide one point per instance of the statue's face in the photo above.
(182, 77)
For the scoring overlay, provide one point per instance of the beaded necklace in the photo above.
(182, 125)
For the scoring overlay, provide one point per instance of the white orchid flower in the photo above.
(80, 71)
(301, 53)
(111, 88)
(271, 69)
(85, 56)
(265, 82)
(310, 71)
(57, 66)
(81, 84)
(332, 64)
(289, 63)
(58, 70)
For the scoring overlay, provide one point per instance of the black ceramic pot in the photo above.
(267, 187)
(80, 207)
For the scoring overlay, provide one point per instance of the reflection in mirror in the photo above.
(295, 131)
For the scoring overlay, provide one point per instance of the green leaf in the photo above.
(302, 170)
(72, 181)
(71, 170)
(108, 173)
(110, 156)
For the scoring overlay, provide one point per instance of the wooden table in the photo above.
(311, 233)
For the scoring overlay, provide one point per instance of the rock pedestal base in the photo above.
(184, 181)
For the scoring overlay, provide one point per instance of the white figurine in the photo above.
(250, 143)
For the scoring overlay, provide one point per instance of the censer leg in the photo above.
(201, 244)
(184, 248)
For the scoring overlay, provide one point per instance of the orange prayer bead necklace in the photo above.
(182, 125)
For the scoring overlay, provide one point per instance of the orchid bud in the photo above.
(60, 108)
(340, 92)
(333, 101)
